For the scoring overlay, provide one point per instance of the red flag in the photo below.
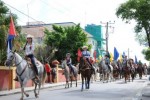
(94, 55)
(79, 54)
(12, 30)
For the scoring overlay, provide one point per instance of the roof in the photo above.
(37, 30)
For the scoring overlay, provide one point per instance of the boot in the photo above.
(16, 79)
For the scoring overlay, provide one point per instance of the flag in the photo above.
(111, 57)
(136, 61)
(120, 58)
(11, 35)
(116, 54)
(79, 54)
(94, 54)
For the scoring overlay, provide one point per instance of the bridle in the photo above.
(13, 59)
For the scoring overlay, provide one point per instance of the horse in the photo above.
(69, 75)
(104, 70)
(126, 71)
(94, 76)
(140, 70)
(25, 72)
(86, 72)
(115, 70)
(132, 69)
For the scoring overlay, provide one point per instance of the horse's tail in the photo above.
(44, 76)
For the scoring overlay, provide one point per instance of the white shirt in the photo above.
(29, 49)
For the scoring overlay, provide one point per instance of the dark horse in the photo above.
(86, 73)
(126, 71)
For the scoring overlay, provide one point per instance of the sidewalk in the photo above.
(46, 85)
(145, 94)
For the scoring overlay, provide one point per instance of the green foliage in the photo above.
(146, 52)
(4, 27)
(138, 10)
(65, 39)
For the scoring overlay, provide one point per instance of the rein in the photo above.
(22, 71)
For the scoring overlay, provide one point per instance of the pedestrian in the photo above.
(48, 71)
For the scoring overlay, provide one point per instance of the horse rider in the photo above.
(86, 56)
(107, 60)
(124, 62)
(69, 62)
(29, 53)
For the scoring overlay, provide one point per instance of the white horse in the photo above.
(105, 72)
(25, 72)
(69, 76)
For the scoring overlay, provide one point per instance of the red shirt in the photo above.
(47, 67)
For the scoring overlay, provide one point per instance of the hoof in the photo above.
(36, 95)
(27, 95)
(21, 98)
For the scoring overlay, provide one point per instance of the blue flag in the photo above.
(123, 55)
(136, 61)
(116, 54)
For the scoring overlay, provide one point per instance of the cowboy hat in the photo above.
(85, 47)
(68, 54)
(29, 36)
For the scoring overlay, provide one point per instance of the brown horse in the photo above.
(86, 73)
(126, 71)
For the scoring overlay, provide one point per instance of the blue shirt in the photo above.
(86, 54)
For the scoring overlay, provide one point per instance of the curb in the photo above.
(29, 89)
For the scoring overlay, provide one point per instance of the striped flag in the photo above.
(11, 35)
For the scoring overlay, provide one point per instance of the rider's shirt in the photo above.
(29, 49)
(69, 61)
(107, 60)
(124, 61)
(86, 54)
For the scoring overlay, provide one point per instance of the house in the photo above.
(97, 39)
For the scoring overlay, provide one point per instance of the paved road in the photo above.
(117, 90)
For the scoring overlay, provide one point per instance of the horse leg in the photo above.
(39, 87)
(22, 84)
(76, 80)
(36, 95)
(82, 84)
(71, 82)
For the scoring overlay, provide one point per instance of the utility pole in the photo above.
(107, 34)
(129, 53)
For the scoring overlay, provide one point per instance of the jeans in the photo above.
(31, 56)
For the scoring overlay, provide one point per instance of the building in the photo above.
(97, 40)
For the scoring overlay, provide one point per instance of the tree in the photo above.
(4, 26)
(65, 39)
(138, 10)
(146, 52)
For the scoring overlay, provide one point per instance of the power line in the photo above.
(21, 12)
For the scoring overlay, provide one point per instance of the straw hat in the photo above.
(29, 36)
(85, 47)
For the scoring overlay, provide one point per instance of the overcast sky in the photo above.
(83, 12)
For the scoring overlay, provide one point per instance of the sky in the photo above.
(84, 12)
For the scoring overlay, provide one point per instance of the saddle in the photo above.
(30, 63)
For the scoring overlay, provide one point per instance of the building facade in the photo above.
(98, 40)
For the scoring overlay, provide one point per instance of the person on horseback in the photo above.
(107, 60)
(29, 53)
(86, 55)
(69, 62)
(124, 62)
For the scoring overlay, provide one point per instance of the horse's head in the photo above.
(10, 58)
(64, 63)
